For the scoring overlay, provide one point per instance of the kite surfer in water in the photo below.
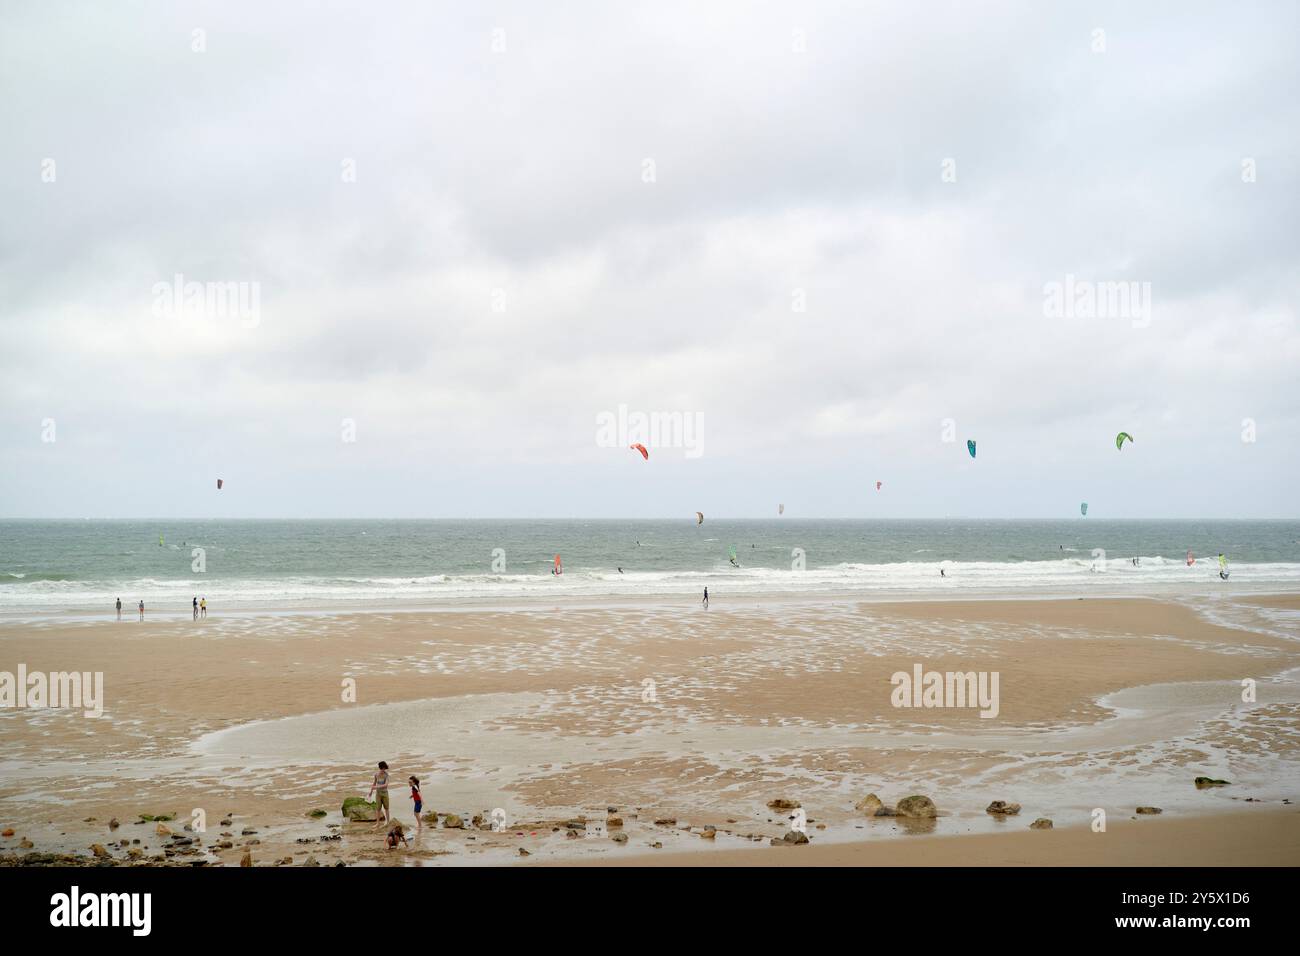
(1223, 567)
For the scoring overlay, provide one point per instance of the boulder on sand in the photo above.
(1149, 810)
(917, 806)
(781, 803)
(359, 810)
(1203, 782)
(1002, 808)
(1042, 823)
(452, 822)
(869, 805)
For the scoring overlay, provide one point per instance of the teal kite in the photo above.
(1083, 509)
(1119, 439)
(970, 446)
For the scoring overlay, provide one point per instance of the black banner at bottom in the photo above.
(299, 905)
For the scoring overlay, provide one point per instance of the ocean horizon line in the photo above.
(610, 518)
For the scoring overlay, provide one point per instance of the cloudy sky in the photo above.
(819, 230)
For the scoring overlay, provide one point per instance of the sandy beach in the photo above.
(662, 734)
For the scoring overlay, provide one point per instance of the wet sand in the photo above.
(663, 713)
(1260, 837)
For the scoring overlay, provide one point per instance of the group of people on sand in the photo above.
(199, 605)
(140, 607)
(384, 813)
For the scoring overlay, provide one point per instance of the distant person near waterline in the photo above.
(706, 599)
(142, 609)
(119, 609)
(203, 606)
(195, 604)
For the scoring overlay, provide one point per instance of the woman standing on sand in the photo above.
(379, 787)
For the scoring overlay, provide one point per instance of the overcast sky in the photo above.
(445, 213)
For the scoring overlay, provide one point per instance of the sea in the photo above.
(79, 566)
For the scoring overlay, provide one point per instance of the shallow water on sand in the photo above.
(1077, 767)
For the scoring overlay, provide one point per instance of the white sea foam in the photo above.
(1070, 575)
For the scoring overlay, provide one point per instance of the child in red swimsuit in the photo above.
(419, 802)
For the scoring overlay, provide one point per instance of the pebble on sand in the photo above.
(1042, 823)
(1002, 808)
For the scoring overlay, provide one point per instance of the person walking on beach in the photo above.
(119, 609)
(706, 599)
(379, 788)
(142, 609)
(203, 606)
(419, 801)
(196, 607)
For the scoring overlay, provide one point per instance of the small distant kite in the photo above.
(220, 482)
(1083, 508)
(970, 446)
(878, 484)
(699, 517)
(1119, 439)
(641, 448)
(780, 509)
